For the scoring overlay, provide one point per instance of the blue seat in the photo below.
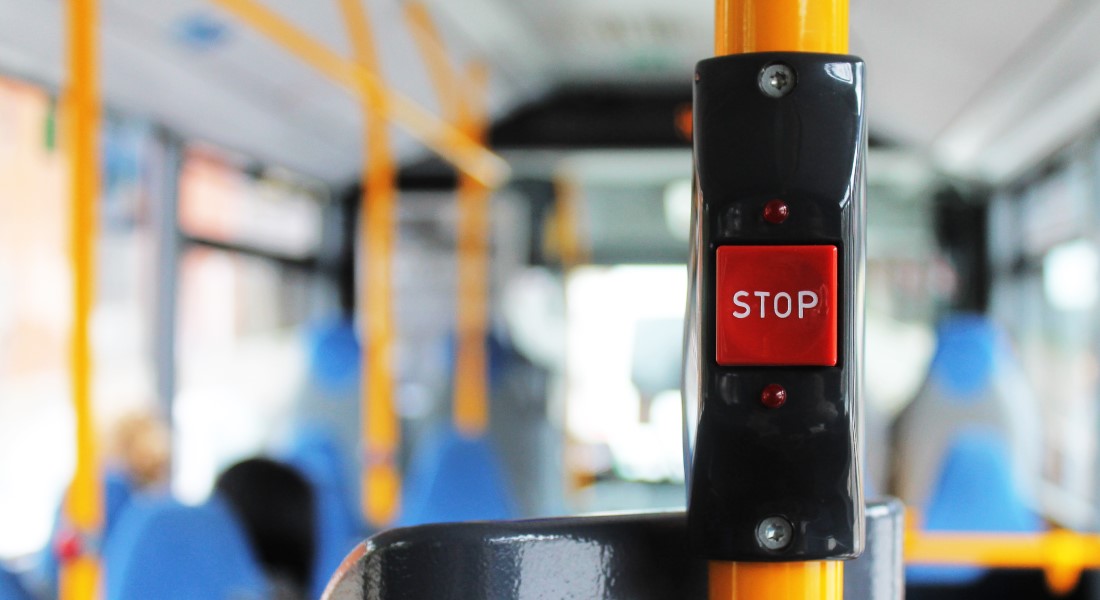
(968, 445)
(338, 527)
(453, 478)
(117, 494)
(968, 349)
(333, 350)
(10, 588)
(976, 491)
(170, 551)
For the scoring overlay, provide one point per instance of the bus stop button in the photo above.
(776, 305)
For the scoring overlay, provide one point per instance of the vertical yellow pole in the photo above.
(743, 26)
(381, 484)
(471, 393)
(83, 504)
(462, 99)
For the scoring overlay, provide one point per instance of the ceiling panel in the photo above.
(958, 80)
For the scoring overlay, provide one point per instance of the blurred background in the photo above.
(225, 327)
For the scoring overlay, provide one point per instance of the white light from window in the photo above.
(1070, 273)
(678, 208)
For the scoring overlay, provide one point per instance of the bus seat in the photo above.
(967, 447)
(455, 478)
(974, 381)
(316, 454)
(333, 350)
(976, 491)
(11, 588)
(166, 550)
(117, 494)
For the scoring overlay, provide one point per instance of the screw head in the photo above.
(776, 80)
(774, 533)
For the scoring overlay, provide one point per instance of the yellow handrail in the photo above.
(381, 485)
(471, 392)
(463, 101)
(466, 154)
(743, 26)
(1061, 554)
(794, 580)
(84, 501)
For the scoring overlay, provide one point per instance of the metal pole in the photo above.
(166, 222)
(749, 26)
(455, 146)
(463, 101)
(381, 425)
(84, 502)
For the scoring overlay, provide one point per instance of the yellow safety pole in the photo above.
(83, 503)
(1061, 554)
(563, 238)
(463, 102)
(452, 144)
(743, 26)
(381, 483)
(471, 389)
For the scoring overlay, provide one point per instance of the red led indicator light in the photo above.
(773, 396)
(776, 211)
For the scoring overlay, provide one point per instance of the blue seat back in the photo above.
(117, 494)
(333, 351)
(976, 491)
(318, 456)
(968, 349)
(10, 588)
(170, 551)
(969, 442)
(454, 478)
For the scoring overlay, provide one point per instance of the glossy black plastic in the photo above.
(613, 557)
(749, 462)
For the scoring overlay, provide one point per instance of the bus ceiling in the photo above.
(981, 92)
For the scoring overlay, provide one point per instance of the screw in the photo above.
(774, 533)
(777, 80)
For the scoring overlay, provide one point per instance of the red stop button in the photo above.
(776, 305)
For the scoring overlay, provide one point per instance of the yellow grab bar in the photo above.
(1061, 554)
(381, 426)
(743, 26)
(466, 154)
(84, 502)
(463, 101)
(471, 392)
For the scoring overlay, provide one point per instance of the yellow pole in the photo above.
(463, 102)
(83, 504)
(789, 580)
(1061, 554)
(471, 392)
(452, 144)
(381, 484)
(563, 238)
(743, 26)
